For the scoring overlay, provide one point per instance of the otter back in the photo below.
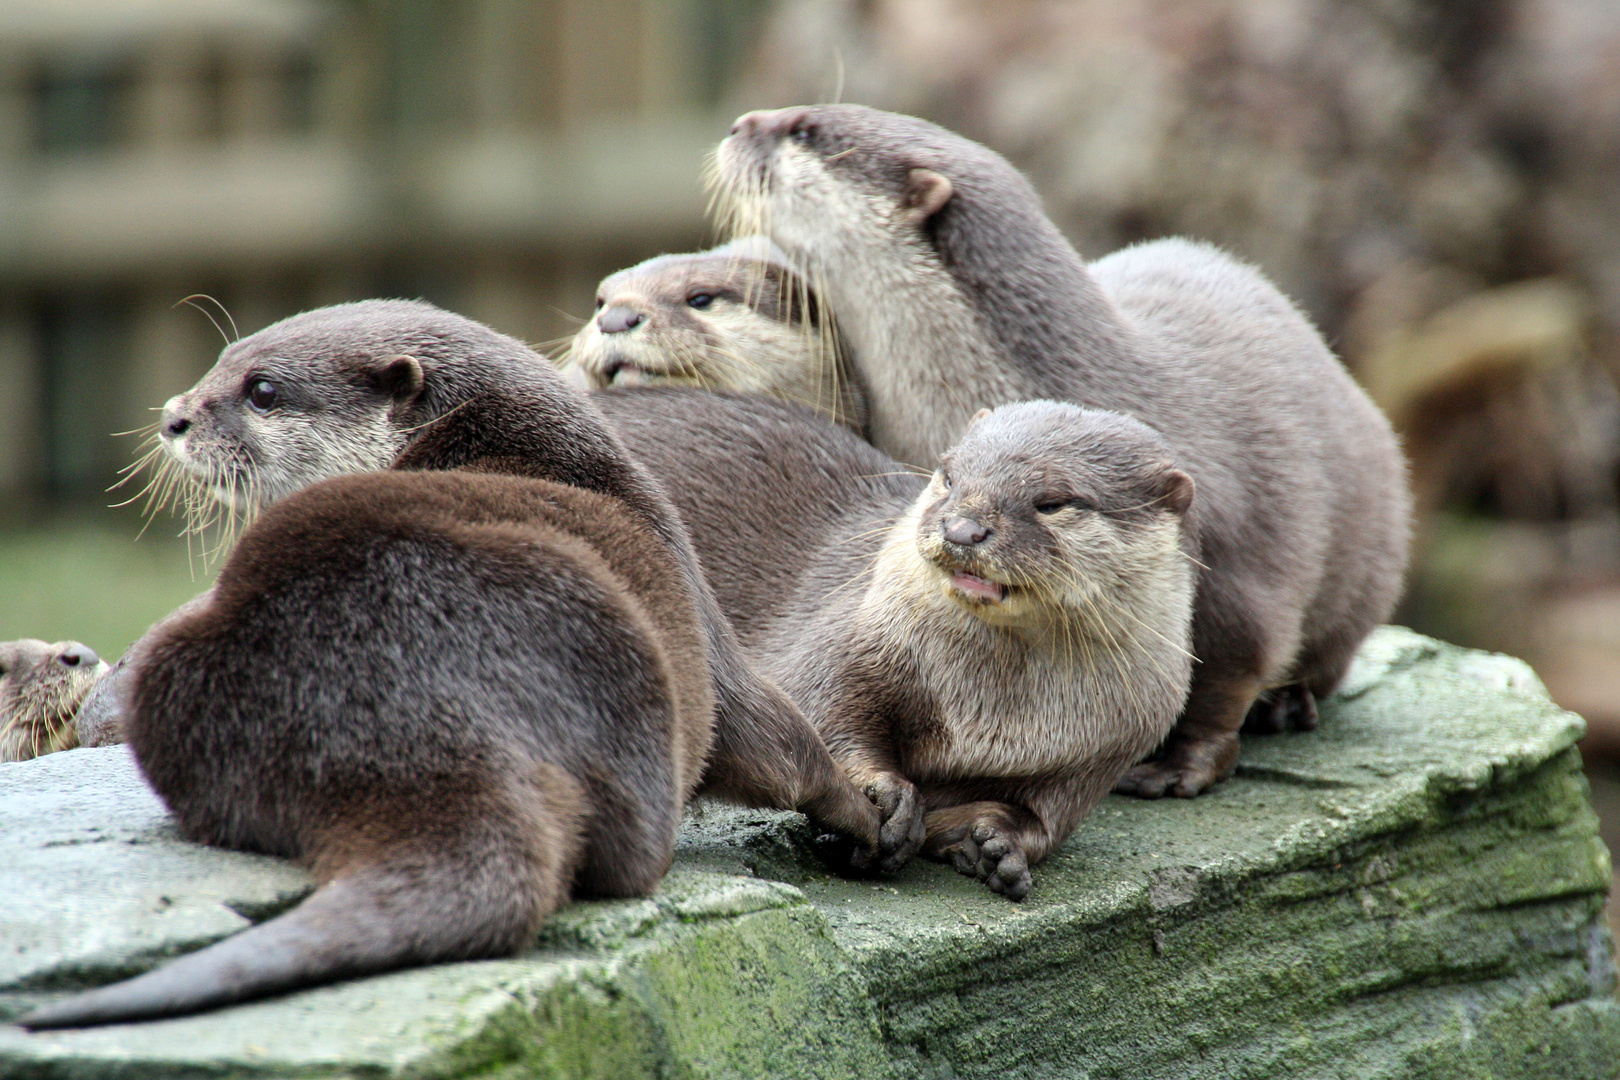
(364, 692)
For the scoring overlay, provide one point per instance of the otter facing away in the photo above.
(736, 317)
(954, 291)
(985, 651)
(460, 690)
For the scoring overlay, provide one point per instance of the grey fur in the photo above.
(962, 294)
(995, 725)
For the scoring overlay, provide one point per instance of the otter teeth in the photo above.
(979, 588)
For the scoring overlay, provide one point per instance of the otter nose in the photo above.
(966, 532)
(748, 122)
(618, 318)
(78, 656)
(175, 423)
(769, 123)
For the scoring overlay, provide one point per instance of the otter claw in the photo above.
(902, 831)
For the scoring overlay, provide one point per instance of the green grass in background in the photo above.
(84, 576)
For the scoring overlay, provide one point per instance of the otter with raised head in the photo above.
(955, 291)
(459, 690)
(41, 687)
(736, 317)
(986, 651)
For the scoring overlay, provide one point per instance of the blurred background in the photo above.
(1437, 182)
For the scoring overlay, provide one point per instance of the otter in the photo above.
(364, 692)
(425, 596)
(736, 317)
(955, 291)
(986, 650)
(41, 687)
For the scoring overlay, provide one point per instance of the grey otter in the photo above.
(955, 291)
(461, 689)
(41, 687)
(986, 651)
(736, 317)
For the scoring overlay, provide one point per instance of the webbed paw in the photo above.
(986, 852)
(901, 834)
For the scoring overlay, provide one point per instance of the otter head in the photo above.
(734, 318)
(337, 390)
(845, 187)
(41, 687)
(1047, 512)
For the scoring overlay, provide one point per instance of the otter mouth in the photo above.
(977, 589)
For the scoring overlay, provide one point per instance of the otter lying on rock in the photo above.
(985, 651)
(954, 291)
(736, 318)
(41, 687)
(459, 690)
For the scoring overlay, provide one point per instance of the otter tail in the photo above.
(479, 892)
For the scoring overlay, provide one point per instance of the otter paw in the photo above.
(995, 858)
(903, 829)
(1156, 779)
(1291, 707)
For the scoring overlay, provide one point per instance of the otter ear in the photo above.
(400, 377)
(1178, 491)
(926, 194)
(976, 417)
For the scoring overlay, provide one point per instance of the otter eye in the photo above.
(262, 394)
(700, 300)
(803, 133)
(1052, 506)
(599, 302)
(945, 479)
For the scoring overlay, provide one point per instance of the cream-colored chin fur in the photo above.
(748, 354)
(1093, 665)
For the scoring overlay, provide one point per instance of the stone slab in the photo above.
(1414, 890)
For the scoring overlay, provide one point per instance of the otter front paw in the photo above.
(995, 857)
(903, 828)
(1186, 768)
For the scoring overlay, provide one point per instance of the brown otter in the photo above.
(363, 386)
(990, 648)
(456, 693)
(736, 317)
(41, 686)
(955, 291)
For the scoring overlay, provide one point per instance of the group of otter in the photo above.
(892, 511)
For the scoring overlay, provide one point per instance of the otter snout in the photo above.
(769, 123)
(966, 532)
(620, 318)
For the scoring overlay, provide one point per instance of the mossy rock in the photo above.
(1414, 890)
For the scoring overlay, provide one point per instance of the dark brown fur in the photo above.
(956, 292)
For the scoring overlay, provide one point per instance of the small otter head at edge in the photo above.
(41, 686)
